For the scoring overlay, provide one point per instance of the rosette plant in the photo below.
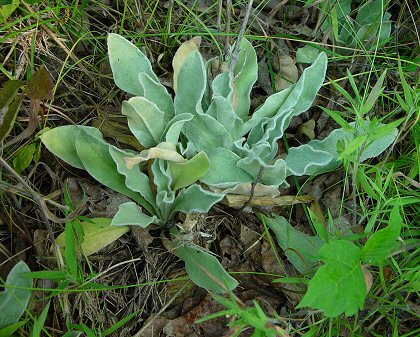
(206, 134)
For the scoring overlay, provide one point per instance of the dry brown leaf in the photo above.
(235, 200)
(368, 278)
(288, 72)
(307, 129)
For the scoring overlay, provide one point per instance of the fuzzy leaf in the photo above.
(181, 56)
(145, 120)
(14, 299)
(94, 154)
(129, 214)
(61, 142)
(339, 285)
(245, 75)
(300, 248)
(157, 93)
(224, 171)
(187, 173)
(174, 127)
(98, 234)
(320, 156)
(205, 270)
(135, 179)
(294, 100)
(195, 199)
(222, 110)
(165, 196)
(206, 133)
(164, 150)
(127, 62)
(382, 242)
(306, 54)
(191, 85)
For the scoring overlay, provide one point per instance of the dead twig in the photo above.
(236, 50)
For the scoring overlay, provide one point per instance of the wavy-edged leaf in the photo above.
(174, 127)
(135, 179)
(127, 62)
(245, 75)
(320, 156)
(205, 270)
(195, 199)
(300, 248)
(222, 110)
(15, 298)
(129, 214)
(296, 99)
(94, 154)
(145, 120)
(187, 173)
(164, 150)
(339, 285)
(61, 142)
(165, 196)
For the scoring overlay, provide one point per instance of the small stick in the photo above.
(227, 28)
(236, 50)
(251, 193)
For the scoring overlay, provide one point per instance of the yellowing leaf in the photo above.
(182, 54)
(164, 150)
(97, 235)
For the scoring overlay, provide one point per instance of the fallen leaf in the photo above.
(40, 85)
(236, 200)
(307, 129)
(287, 72)
(368, 278)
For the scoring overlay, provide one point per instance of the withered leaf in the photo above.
(40, 85)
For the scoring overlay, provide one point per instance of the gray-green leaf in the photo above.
(14, 299)
(61, 142)
(127, 62)
(205, 270)
(129, 214)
